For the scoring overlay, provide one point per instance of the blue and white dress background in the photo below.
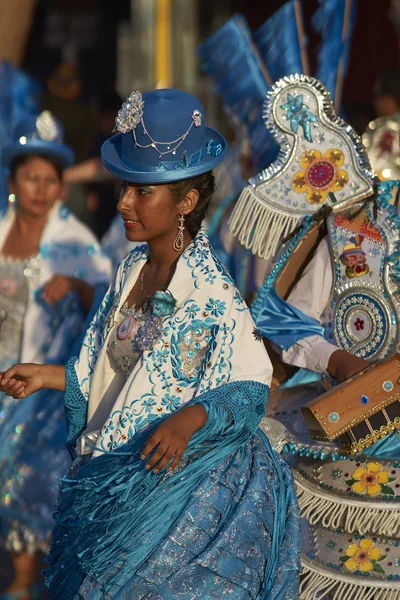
(32, 431)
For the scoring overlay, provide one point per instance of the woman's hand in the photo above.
(59, 286)
(171, 438)
(342, 365)
(21, 380)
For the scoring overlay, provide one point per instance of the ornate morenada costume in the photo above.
(334, 285)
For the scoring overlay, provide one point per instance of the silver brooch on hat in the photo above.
(46, 126)
(131, 114)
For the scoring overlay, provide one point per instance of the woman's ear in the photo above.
(189, 203)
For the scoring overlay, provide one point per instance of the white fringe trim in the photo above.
(315, 584)
(348, 514)
(257, 226)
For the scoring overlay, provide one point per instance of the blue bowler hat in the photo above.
(39, 134)
(162, 139)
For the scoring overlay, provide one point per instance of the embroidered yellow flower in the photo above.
(321, 174)
(362, 557)
(369, 480)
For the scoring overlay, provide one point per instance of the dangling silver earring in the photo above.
(178, 241)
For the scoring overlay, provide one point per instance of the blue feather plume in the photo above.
(231, 59)
(18, 99)
(279, 44)
(328, 21)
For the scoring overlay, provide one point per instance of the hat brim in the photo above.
(111, 153)
(51, 149)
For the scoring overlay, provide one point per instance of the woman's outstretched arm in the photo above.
(21, 380)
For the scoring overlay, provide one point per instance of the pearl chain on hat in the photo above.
(131, 114)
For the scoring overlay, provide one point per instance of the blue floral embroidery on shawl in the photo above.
(216, 307)
(185, 357)
(196, 257)
(185, 340)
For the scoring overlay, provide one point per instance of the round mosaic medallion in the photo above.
(126, 327)
(362, 323)
(320, 174)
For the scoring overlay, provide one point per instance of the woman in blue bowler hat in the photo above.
(174, 491)
(52, 277)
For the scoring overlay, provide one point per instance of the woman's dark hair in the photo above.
(22, 159)
(205, 185)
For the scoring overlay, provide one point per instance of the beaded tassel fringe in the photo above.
(315, 585)
(347, 514)
(258, 227)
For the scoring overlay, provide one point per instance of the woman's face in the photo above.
(37, 186)
(148, 211)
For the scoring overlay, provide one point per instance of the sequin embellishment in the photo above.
(149, 333)
(333, 417)
(388, 386)
(193, 348)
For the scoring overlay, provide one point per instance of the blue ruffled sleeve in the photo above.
(75, 403)
(238, 407)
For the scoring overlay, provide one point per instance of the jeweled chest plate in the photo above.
(321, 162)
(365, 311)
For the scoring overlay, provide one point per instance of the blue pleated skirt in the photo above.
(223, 543)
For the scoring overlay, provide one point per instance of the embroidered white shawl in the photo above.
(184, 362)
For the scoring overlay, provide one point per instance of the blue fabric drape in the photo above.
(284, 324)
(329, 21)
(387, 448)
(230, 58)
(278, 42)
(113, 514)
(32, 447)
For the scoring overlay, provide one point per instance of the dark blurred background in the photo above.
(112, 44)
(87, 55)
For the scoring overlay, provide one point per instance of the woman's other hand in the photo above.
(172, 437)
(342, 365)
(57, 288)
(23, 379)
(60, 285)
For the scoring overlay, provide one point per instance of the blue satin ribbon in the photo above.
(388, 448)
(212, 148)
(300, 378)
(284, 324)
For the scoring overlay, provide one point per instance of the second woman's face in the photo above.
(37, 186)
(148, 211)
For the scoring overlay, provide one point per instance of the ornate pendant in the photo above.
(125, 328)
